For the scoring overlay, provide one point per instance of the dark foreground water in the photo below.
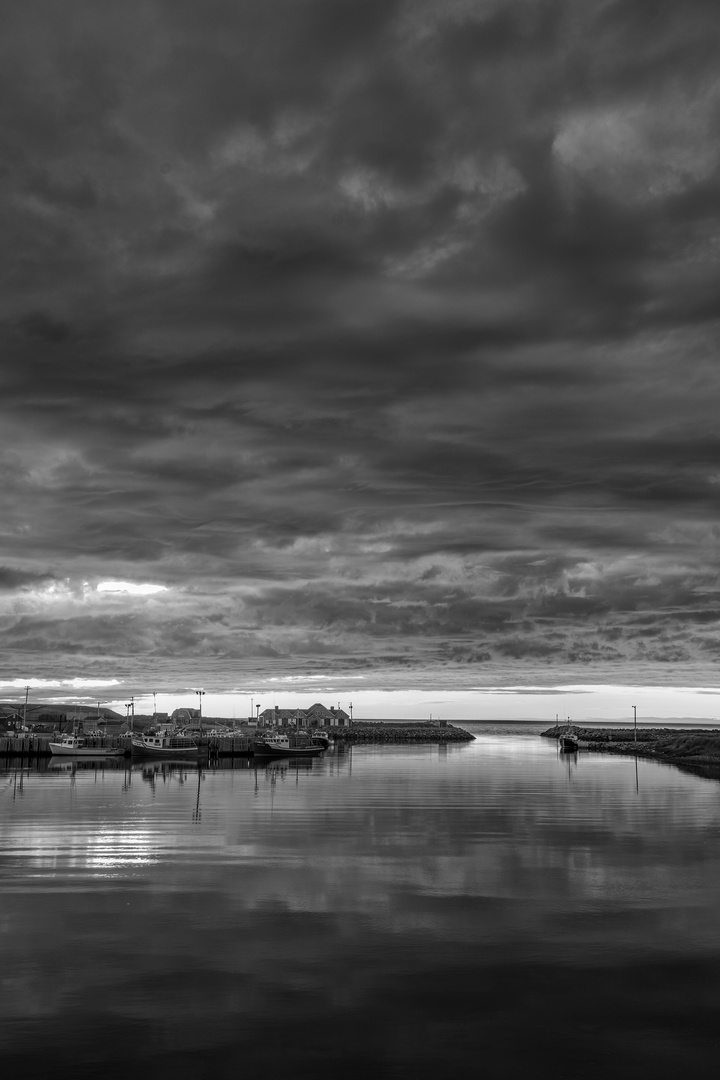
(491, 909)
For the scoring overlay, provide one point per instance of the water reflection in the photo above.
(392, 909)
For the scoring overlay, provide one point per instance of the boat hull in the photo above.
(263, 749)
(58, 750)
(171, 748)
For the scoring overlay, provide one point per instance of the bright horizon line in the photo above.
(580, 702)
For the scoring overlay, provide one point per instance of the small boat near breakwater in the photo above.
(75, 746)
(693, 748)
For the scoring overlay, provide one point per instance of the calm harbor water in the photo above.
(493, 907)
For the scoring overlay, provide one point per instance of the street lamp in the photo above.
(351, 712)
(200, 694)
(634, 709)
(27, 691)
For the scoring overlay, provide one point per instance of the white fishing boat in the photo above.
(285, 745)
(76, 746)
(164, 744)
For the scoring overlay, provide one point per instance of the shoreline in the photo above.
(691, 748)
(31, 746)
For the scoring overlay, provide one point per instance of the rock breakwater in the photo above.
(401, 733)
(692, 747)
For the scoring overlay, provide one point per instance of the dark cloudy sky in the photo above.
(382, 335)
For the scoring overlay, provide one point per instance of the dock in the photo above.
(30, 746)
(33, 747)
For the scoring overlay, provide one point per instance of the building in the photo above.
(185, 716)
(316, 716)
(320, 716)
(282, 718)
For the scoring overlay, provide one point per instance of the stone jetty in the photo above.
(410, 732)
(697, 748)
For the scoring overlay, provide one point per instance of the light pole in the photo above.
(634, 709)
(351, 712)
(257, 715)
(27, 691)
(200, 694)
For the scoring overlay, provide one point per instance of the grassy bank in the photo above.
(697, 747)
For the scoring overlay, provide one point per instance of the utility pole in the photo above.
(27, 691)
(634, 709)
(200, 696)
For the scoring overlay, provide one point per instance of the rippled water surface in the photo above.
(494, 908)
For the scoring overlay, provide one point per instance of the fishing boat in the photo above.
(568, 740)
(286, 745)
(75, 746)
(163, 744)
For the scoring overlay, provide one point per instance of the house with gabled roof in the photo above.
(320, 716)
(316, 716)
(282, 717)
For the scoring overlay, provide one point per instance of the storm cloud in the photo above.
(382, 334)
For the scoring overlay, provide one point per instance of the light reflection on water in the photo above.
(400, 909)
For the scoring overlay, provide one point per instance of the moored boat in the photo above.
(75, 746)
(285, 745)
(164, 744)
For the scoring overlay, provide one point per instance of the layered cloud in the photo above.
(377, 335)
